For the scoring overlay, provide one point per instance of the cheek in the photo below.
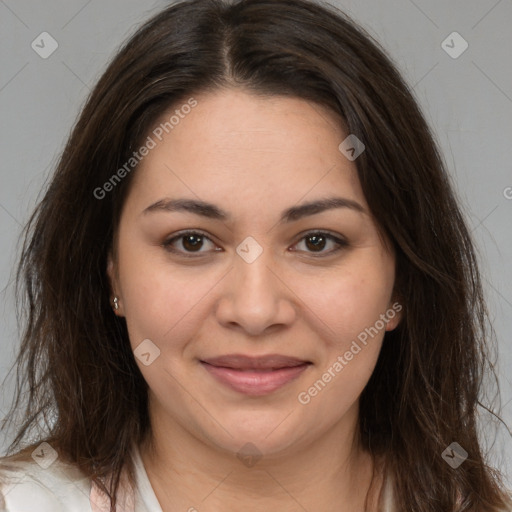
(339, 384)
(348, 303)
(159, 303)
(349, 315)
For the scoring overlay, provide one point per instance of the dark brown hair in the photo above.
(75, 358)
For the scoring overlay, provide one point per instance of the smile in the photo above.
(255, 381)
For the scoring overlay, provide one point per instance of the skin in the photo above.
(254, 157)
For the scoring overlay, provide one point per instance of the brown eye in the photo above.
(315, 242)
(187, 242)
(192, 242)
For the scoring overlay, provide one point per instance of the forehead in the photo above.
(257, 147)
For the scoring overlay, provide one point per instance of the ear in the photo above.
(114, 285)
(394, 314)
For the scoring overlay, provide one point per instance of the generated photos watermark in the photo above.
(304, 397)
(454, 455)
(151, 142)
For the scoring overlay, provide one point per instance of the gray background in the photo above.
(467, 100)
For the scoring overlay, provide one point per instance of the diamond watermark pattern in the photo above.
(147, 352)
(249, 455)
(44, 455)
(454, 45)
(351, 147)
(44, 45)
(455, 455)
(249, 250)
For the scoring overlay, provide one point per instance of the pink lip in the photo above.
(255, 376)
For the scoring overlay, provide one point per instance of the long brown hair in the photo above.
(75, 358)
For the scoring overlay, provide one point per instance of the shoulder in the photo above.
(28, 486)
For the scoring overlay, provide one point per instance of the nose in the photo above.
(256, 298)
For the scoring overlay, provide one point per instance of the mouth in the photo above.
(255, 376)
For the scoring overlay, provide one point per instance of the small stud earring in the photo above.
(116, 303)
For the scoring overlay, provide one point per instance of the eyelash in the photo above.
(339, 241)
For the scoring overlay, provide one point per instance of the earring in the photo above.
(116, 303)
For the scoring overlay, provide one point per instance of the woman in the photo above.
(249, 284)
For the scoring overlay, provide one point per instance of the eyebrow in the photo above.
(212, 211)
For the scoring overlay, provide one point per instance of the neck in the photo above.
(331, 474)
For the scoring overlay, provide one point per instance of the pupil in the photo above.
(192, 241)
(316, 238)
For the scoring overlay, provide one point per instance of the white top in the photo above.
(63, 488)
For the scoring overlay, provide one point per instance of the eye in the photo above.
(190, 242)
(316, 241)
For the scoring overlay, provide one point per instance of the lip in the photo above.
(266, 362)
(255, 376)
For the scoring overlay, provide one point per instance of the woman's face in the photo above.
(246, 265)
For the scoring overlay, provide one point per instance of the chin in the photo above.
(268, 436)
